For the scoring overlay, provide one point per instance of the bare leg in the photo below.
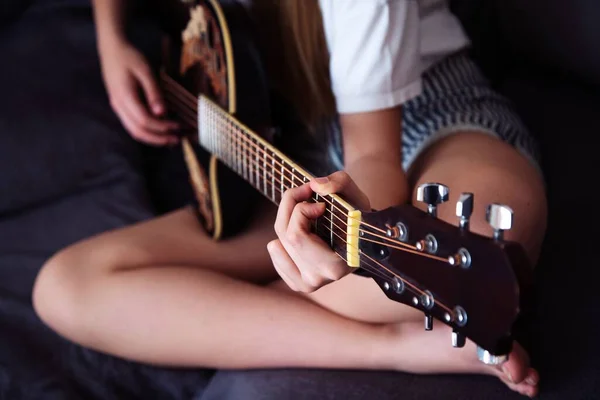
(162, 292)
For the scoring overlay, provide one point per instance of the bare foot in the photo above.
(516, 373)
(432, 352)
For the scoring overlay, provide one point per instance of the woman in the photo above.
(412, 108)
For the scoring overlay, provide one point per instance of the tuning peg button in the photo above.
(432, 194)
(458, 339)
(428, 322)
(464, 209)
(487, 358)
(500, 218)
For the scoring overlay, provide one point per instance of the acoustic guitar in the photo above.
(213, 79)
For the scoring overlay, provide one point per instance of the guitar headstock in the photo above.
(468, 281)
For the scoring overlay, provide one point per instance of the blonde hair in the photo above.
(297, 56)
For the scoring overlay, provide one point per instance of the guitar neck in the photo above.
(271, 173)
(250, 156)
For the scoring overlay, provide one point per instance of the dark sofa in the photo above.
(68, 170)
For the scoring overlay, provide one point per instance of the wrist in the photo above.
(382, 180)
(111, 39)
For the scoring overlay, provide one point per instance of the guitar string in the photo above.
(369, 267)
(180, 90)
(248, 140)
(192, 112)
(252, 165)
(412, 248)
(405, 247)
(411, 288)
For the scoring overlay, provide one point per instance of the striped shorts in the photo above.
(456, 97)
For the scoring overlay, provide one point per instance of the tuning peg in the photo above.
(428, 322)
(464, 209)
(432, 194)
(487, 358)
(500, 217)
(458, 339)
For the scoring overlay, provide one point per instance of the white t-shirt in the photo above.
(380, 48)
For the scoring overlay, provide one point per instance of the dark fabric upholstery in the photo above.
(68, 171)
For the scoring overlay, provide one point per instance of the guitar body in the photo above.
(209, 48)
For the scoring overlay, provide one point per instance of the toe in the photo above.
(516, 369)
(532, 377)
(528, 390)
(523, 388)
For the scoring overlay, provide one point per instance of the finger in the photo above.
(151, 89)
(284, 265)
(146, 121)
(290, 198)
(138, 132)
(297, 280)
(340, 183)
(299, 226)
(317, 262)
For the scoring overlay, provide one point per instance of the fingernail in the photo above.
(322, 180)
(157, 108)
(531, 381)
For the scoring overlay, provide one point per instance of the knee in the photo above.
(519, 187)
(57, 292)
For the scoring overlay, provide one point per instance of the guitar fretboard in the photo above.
(272, 173)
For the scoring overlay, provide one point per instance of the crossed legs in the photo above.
(162, 292)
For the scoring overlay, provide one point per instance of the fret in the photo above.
(332, 217)
(226, 152)
(241, 145)
(251, 173)
(233, 141)
(222, 143)
(230, 158)
(273, 197)
(238, 148)
(317, 220)
(206, 122)
(245, 158)
(219, 138)
(261, 168)
(264, 154)
(257, 164)
(213, 134)
(323, 232)
(335, 236)
(282, 183)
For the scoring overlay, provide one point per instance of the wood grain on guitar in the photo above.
(472, 283)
